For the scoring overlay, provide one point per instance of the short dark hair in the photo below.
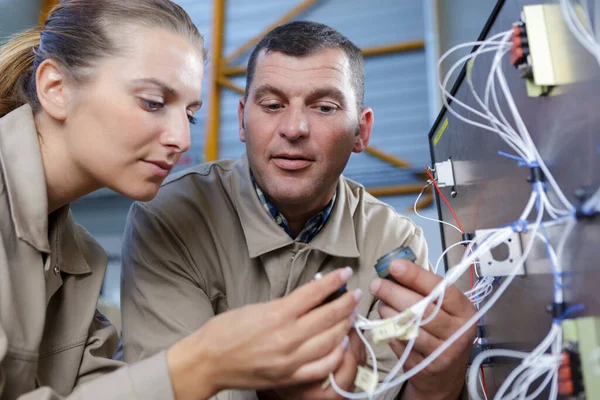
(305, 38)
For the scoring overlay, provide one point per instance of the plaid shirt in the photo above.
(312, 227)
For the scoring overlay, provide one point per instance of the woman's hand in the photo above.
(284, 342)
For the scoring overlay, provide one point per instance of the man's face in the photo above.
(300, 124)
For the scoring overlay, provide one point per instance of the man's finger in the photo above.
(425, 343)
(415, 278)
(398, 299)
(308, 296)
(344, 376)
(414, 358)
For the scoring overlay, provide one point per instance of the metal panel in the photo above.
(493, 190)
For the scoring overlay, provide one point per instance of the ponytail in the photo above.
(16, 70)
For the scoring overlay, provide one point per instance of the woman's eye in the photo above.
(152, 105)
(192, 119)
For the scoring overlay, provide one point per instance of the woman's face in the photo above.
(128, 125)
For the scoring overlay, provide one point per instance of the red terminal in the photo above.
(520, 48)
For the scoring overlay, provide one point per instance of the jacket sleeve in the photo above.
(148, 379)
(103, 378)
(162, 294)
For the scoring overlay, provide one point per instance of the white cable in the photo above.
(431, 219)
(441, 257)
(493, 239)
(482, 387)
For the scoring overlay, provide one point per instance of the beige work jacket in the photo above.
(53, 343)
(206, 245)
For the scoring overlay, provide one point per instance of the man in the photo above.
(230, 233)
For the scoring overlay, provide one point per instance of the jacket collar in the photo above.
(70, 247)
(263, 235)
(25, 182)
(24, 177)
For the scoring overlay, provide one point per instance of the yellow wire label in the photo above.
(365, 380)
(440, 132)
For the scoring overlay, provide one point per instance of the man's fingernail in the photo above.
(345, 342)
(375, 285)
(357, 294)
(346, 274)
(398, 268)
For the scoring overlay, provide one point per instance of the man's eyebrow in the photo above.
(164, 86)
(329, 91)
(265, 89)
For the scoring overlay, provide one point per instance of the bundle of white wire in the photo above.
(534, 365)
(520, 141)
(583, 33)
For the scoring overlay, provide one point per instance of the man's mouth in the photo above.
(292, 162)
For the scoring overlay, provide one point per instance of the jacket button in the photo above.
(56, 270)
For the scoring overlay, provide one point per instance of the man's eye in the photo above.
(326, 109)
(272, 107)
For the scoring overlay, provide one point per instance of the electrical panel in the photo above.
(517, 152)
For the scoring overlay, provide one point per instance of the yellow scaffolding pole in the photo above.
(413, 188)
(285, 18)
(230, 85)
(211, 150)
(45, 7)
(391, 159)
(392, 48)
(400, 47)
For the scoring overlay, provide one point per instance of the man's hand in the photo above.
(344, 377)
(444, 378)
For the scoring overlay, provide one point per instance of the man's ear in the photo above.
(52, 91)
(242, 124)
(364, 130)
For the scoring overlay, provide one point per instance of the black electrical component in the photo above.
(384, 262)
(536, 174)
(338, 293)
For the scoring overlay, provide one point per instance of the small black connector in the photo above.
(384, 262)
(536, 174)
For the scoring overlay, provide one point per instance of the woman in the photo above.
(102, 96)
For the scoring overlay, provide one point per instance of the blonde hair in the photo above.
(77, 33)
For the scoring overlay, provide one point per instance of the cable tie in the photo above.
(560, 311)
(519, 226)
(467, 236)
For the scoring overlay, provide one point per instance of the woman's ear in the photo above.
(51, 89)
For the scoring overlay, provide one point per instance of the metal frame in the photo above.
(45, 7)
(222, 70)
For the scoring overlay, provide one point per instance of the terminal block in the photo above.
(520, 56)
(545, 51)
(579, 373)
